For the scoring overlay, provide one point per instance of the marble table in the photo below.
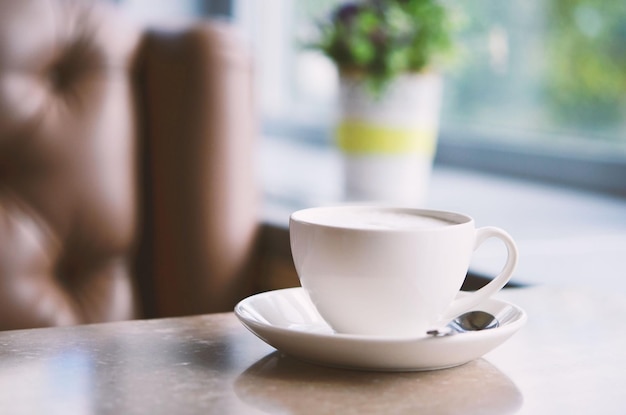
(569, 358)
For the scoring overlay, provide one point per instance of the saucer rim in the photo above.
(511, 326)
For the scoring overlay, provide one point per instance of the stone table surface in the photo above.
(569, 358)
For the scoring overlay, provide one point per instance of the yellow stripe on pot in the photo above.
(358, 137)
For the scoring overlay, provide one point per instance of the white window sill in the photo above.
(565, 236)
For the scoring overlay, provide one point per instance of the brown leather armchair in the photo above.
(127, 183)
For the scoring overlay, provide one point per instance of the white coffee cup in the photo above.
(389, 271)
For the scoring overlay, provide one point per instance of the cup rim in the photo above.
(455, 218)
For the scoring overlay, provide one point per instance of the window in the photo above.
(151, 11)
(537, 89)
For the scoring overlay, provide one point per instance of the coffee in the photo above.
(374, 218)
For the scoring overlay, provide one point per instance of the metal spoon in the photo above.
(470, 321)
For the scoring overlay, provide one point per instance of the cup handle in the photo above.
(463, 304)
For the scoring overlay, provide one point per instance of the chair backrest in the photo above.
(203, 191)
(126, 179)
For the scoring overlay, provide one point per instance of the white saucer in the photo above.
(287, 320)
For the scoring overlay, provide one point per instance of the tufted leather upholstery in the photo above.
(126, 178)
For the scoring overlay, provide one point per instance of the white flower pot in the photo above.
(388, 143)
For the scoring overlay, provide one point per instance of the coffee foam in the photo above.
(379, 219)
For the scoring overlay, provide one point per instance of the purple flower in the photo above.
(346, 13)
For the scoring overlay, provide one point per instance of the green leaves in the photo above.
(380, 39)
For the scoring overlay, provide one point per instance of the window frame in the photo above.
(599, 169)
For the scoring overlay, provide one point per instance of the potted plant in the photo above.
(387, 53)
